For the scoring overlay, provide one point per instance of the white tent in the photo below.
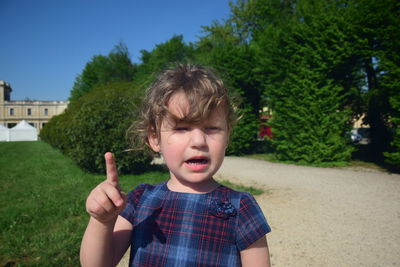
(4, 133)
(23, 131)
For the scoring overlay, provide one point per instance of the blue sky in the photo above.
(45, 44)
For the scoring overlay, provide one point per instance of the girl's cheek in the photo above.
(176, 138)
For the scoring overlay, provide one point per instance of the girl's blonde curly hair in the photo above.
(204, 90)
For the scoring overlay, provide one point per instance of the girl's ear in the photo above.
(154, 142)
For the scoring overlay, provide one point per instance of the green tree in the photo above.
(234, 59)
(389, 72)
(304, 61)
(117, 66)
(308, 125)
(251, 19)
(375, 23)
(173, 51)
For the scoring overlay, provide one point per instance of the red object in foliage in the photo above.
(265, 131)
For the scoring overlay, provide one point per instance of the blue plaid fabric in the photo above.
(184, 229)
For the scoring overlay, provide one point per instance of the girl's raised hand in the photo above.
(106, 200)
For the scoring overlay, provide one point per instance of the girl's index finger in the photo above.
(111, 167)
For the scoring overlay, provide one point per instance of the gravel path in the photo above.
(324, 216)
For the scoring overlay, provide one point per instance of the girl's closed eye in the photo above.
(181, 129)
(213, 129)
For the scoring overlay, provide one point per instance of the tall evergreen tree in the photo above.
(310, 111)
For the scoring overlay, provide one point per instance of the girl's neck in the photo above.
(175, 185)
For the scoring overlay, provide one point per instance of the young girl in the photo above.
(189, 220)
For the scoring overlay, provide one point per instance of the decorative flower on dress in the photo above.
(222, 209)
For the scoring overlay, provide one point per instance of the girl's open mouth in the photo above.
(197, 164)
(197, 161)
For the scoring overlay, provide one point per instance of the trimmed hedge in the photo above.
(97, 123)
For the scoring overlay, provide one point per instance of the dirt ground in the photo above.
(324, 216)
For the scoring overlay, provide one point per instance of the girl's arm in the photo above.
(107, 235)
(256, 255)
(104, 246)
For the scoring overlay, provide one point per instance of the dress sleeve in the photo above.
(251, 224)
(133, 199)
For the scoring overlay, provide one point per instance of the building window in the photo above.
(46, 112)
(29, 111)
(11, 112)
(10, 125)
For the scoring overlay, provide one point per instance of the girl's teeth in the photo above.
(197, 161)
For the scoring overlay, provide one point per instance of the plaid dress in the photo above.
(185, 229)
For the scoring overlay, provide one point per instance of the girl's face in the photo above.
(192, 153)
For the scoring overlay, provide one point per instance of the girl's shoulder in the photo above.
(136, 194)
(142, 194)
(234, 194)
(251, 223)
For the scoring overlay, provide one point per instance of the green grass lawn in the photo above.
(42, 204)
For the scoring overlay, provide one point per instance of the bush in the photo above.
(54, 132)
(97, 123)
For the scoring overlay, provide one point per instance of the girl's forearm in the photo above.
(97, 244)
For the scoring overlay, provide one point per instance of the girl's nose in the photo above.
(198, 138)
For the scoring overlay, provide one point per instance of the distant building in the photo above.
(37, 113)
